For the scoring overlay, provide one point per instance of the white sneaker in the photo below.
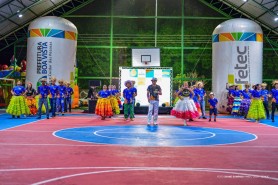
(149, 123)
(184, 122)
(155, 123)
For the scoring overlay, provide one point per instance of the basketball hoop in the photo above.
(146, 62)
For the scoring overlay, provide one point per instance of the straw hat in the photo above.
(128, 81)
(275, 82)
(264, 84)
(53, 78)
(247, 84)
(43, 80)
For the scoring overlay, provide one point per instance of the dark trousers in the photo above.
(68, 104)
(274, 107)
(43, 101)
(53, 105)
(266, 108)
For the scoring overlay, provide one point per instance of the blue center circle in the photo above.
(170, 136)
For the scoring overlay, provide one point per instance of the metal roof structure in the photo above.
(264, 12)
(15, 15)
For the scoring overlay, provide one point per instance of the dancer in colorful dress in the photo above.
(18, 105)
(237, 100)
(274, 95)
(103, 107)
(113, 99)
(245, 102)
(153, 92)
(185, 107)
(230, 88)
(212, 106)
(256, 110)
(201, 94)
(62, 93)
(128, 95)
(53, 96)
(118, 96)
(265, 96)
(196, 99)
(68, 97)
(30, 94)
(43, 92)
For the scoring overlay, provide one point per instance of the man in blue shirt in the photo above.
(274, 94)
(212, 108)
(62, 93)
(43, 92)
(201, 93)
(128, 103)
(53, 95)
(68, 97)
(134, 90)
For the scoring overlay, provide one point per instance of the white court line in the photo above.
(156, 169)
(147, 133)
(107, 145)
(268, 125)
(255, 138)
(132, 167)
(150, 133)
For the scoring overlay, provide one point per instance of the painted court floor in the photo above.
(82, 149)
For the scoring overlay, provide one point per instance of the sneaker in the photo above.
(204, 117)
(13, 116)
(63, 113)
(209, 120)
(190, 119)
(273, 120)
(184, 123)
(38, 117)
(18, 116)
(47, 117)
(214, 120)
(131, 119)
(155, 123)
(126, 119)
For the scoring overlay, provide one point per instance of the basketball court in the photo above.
(81, 148)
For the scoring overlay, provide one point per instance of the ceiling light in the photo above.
(20, 15)
(244, 0)
(276, 19)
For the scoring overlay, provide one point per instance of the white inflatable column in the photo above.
(237, 51)
(51, 49)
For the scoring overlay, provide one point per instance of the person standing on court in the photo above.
(128, 103)
(153, 93)
(43, 92)
(274, 95)
(53, 95)
(200, 91)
